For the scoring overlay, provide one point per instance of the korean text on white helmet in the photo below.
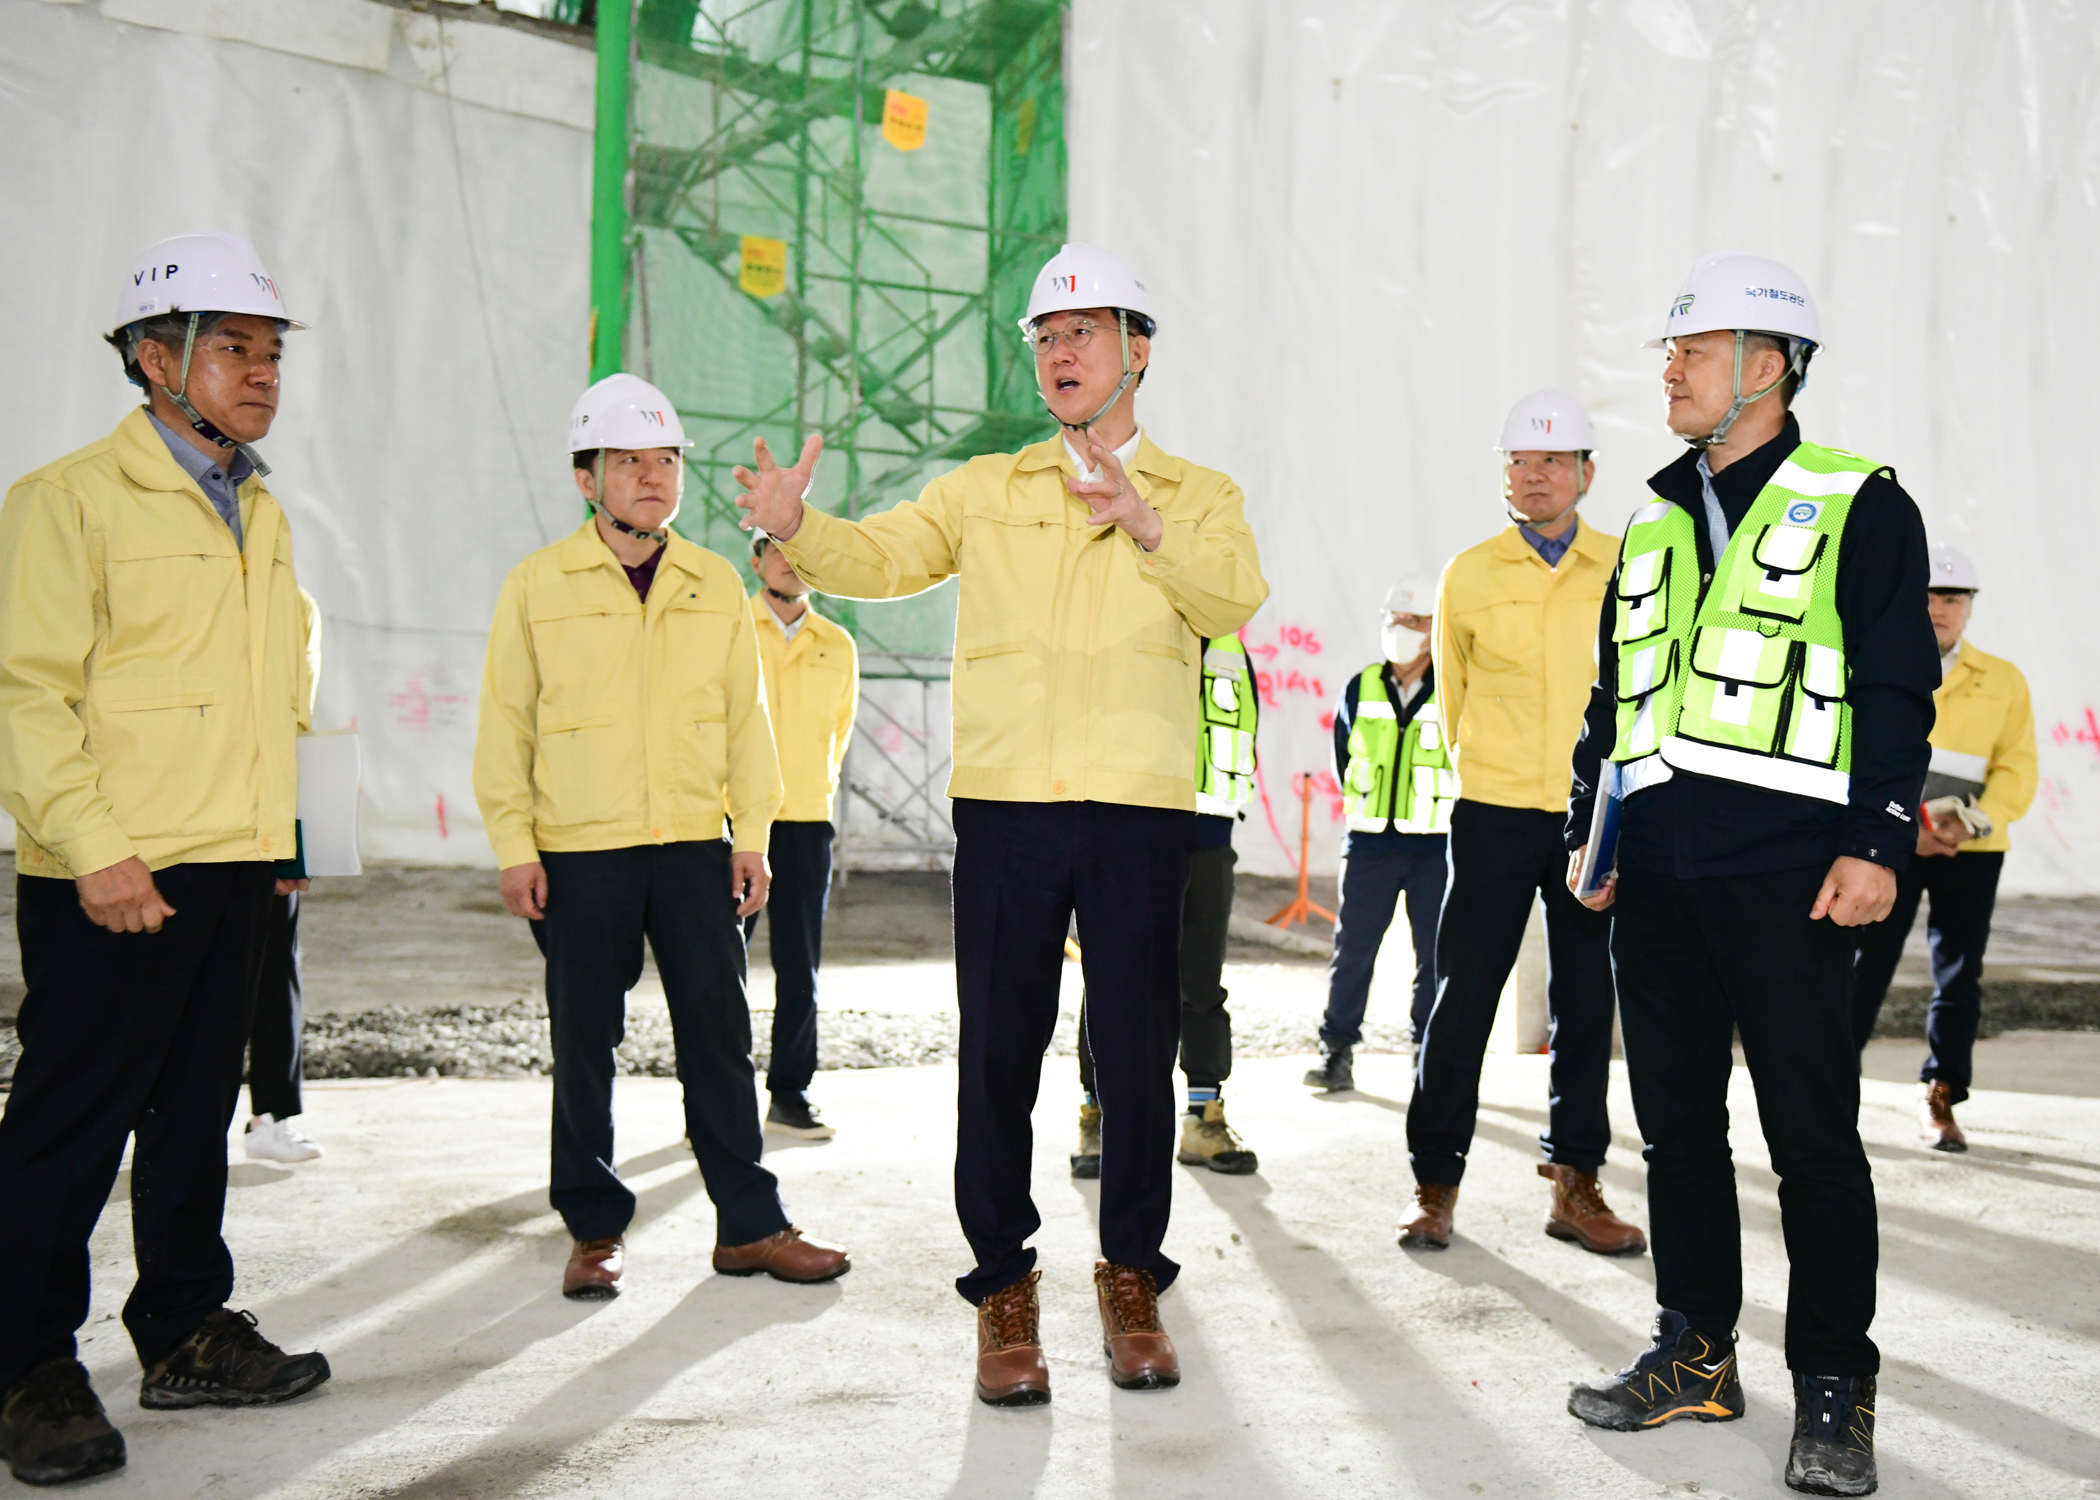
(1745, 294)
(1950, 569)
(1413, 595)
(625, 411)
(199, 273)
(1080, 276)
(1548, 421)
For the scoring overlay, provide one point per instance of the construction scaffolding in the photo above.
(823, 216)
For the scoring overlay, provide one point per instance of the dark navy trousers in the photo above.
(1964, 892)
(277, 1035)
(600, 906)
(800, 857)
(1377, 870)
(1021, 871)
(125, 1035)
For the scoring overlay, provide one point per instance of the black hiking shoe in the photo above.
(1833, 1451)
(1684, 1373)
(55, 1427)
(227, 1362)
(1336, 1072)
(793, 1114)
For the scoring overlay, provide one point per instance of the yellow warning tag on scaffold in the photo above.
(903, 120)
(765, 268)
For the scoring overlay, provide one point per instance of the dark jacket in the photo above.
(1692, 825)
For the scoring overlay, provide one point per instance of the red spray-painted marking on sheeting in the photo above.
(2086, 733)
(443, 831)
(414, 702)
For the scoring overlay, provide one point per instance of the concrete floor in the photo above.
(1319, 1359)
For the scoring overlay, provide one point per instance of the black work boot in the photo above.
(1833, 1450)
(227, 1362)
(1336, 1072)
(1684, 1373)
(55, 1428)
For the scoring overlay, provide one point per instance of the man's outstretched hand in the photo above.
(772, 498)
(1114, 498)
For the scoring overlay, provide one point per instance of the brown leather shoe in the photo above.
(593, 1271)
(1430, 1228)
(1140, 1355)
(1579, 1213)
(1011, 1370)
(785, 1256)
(1936, 1125)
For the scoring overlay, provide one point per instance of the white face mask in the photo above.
(1401, 644)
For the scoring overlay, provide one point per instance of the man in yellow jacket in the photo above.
(1092, 566)
(622, 736)
(812, 674)
(1514, 661)
(152, 682)
(1980, 781)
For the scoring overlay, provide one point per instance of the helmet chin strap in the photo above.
(1123, 338)
(1737, 400)
(182, 404)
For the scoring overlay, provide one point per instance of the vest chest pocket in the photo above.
(1644, 596)
(1777, 581)
(1736, 691)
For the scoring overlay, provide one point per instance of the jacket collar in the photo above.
(1149, 459)
(1740, 481)
(583, 549)
(144, 457)
(1588, 541)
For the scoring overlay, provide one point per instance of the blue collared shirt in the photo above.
(221, 483)
(1551, 549)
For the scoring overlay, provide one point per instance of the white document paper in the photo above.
(328, 774)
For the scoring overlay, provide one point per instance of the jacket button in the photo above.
(1057, 788)
(264, 845)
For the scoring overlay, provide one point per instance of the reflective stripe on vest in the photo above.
(1386, 766)
(1226, 726)
(1745, 680)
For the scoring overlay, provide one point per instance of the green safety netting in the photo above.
(836, 209)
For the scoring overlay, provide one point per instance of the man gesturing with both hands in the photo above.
(1092, 564)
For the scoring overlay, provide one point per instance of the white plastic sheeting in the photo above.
(421, 191)
(1371, 227)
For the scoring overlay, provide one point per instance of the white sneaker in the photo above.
(277, 1140)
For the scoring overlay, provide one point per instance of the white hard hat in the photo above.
(625, 411)
(1951, 569)
(1549, 421)
(199, 273)
(1733, 290)
(1084, 276)
(1413, 595)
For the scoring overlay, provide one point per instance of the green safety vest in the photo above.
(1746, 680)
(1399, 781)
(1225, 745)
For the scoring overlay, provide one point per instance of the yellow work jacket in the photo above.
(605, 723)
(1983, 711)
(1516, 653)
(1076, 663)
(153, 677)
(812, 688)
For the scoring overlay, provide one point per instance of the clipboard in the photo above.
(1600, 856)
(330, 765)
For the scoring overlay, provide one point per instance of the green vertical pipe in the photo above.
(609, 221)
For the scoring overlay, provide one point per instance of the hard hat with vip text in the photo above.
(625, 411)
(212, 272)
(1951, 569)
(1413, 595)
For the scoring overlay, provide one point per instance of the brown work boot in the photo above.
(227, 1362)
(1936, 1125)
(594, 1269)
(1011, 1370)
(1140, 1355)
(1579, 1213)
(54, 1426)
(784, 1256)
(1207, 1141)
(1430, 1228)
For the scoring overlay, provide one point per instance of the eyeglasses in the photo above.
(1076, 336)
